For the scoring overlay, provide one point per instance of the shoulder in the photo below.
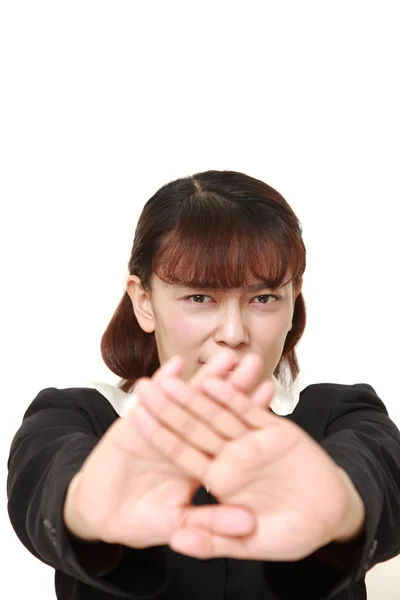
(78, 398)
(75, 404)
(325, 406)
(337, 390)
(57, 416)
(338, 396)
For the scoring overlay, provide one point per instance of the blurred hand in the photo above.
(129, 493)
(298, 496)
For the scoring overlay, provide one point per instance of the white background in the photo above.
(103, 102)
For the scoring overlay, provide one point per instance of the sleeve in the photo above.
(55, 438)
(361, 439)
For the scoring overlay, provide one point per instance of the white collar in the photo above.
(283, 402)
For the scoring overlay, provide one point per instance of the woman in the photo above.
(217, 482)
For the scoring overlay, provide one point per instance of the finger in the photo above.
(182, 422)
(184, 456)
(223, 392)
(264, 394)
(173, 366)
(247, 373)
(218, 366)
(220, 519)
(217, 417)
(244, 376)
(198, 543)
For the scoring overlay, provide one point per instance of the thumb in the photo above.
(218, 520)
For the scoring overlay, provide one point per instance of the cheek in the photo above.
(280, 324)
(180, 330)
(180, 335)
(272, 335)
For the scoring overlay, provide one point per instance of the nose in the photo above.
(231, 329)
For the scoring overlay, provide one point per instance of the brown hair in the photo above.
(213, 230)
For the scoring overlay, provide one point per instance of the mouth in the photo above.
(228, 372)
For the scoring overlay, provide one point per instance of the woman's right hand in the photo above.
(127, 493)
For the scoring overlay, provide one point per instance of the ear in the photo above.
(141, 302)
(296, 291)
(297, 288)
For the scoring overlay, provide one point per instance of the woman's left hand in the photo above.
(300, 498)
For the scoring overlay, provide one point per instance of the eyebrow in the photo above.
(262, 285)
(255, 287)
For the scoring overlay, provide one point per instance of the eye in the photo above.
(266, 298)
(198, 298)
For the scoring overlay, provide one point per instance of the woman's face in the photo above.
(196, 323)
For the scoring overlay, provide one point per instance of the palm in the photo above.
(288, 482)
(140, 496)
(159, 490)
(127, 492)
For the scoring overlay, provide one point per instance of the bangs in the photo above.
(220, 245)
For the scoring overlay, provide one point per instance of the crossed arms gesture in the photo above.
(281, 496)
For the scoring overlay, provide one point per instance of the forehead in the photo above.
(240, 266)
(224, 245)
(178, 287)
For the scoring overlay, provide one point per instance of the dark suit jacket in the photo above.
(62, 426)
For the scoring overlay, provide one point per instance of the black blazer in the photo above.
(62, 426)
